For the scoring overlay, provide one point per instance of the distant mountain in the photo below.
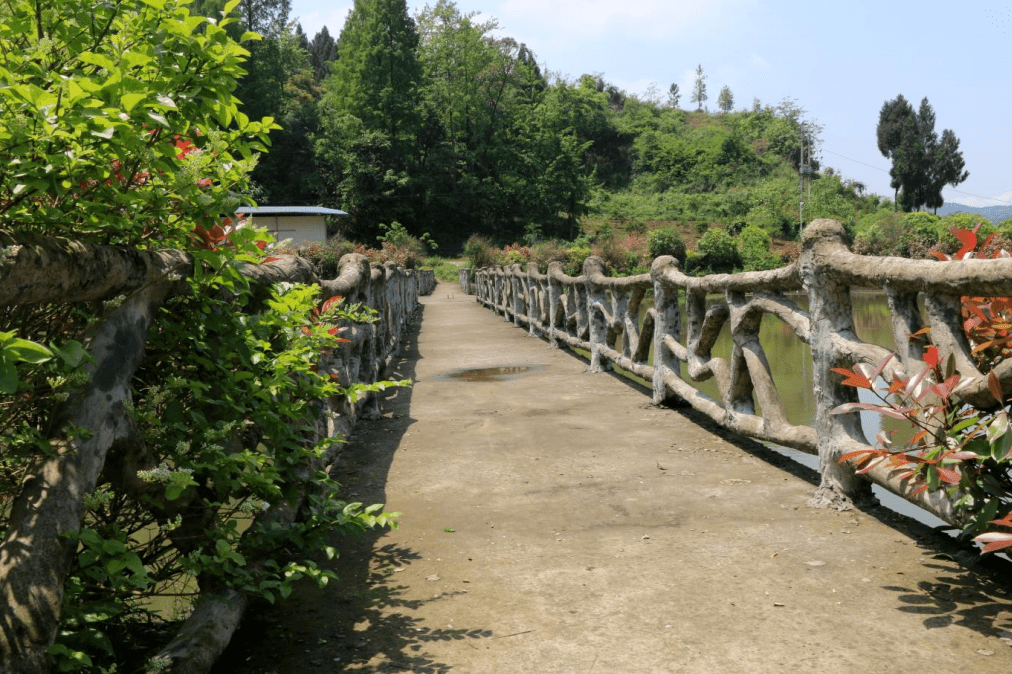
(993, 213)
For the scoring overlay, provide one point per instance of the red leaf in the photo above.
(861, 452)
(969, 240)
(995, 386)
(271, 259)
(854, 379)
(948, 475)
(332, 302)
(897, 385)
(997, 545)
(944, 390)
(931, 356)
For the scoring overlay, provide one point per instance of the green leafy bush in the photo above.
(479, 252)
(666, 242)
(754, 247)
(719, 251)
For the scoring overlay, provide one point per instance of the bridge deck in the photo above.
(554, 521)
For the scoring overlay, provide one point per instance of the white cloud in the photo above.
(759, 63)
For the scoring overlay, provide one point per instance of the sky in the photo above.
(838, 61)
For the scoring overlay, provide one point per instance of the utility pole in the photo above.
(804, 171)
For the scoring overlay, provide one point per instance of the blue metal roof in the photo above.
(289, 210)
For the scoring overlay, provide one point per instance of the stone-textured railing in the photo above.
(37, 547)
(594, 312)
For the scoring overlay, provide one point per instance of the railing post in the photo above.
(831, 315)
(556, 315)
(596, 313)
(533, 299)
(667, 321)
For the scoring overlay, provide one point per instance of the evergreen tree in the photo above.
(922, 165)
(376, 75)
(370, 117)
(673, 95)
(699, 88)
(300, 37)
(322, 50)
(726, 100)
(267, 17)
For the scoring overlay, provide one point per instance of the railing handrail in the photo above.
(593, 311)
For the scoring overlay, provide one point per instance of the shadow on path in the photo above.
(349, 625)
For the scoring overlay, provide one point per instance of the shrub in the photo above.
(666, 242)
(401, 247)
(443, 269)
(546, 252)
(513, 254)
(574, 260)
(620, 255)
(479, 252)
(720, 254)
(754, 247)
(323, 256)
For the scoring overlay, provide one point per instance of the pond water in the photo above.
(790, 362)
(790, 359)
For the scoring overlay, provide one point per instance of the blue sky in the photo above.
(839, 61)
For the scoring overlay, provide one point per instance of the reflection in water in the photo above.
(492, 374)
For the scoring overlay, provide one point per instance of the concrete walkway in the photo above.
(554, 521)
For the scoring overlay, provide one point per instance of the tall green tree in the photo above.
(921, 164)
(488, 148)
(699, 88)
(726, 99)
(267, 17)
(322, 50)
(673, 95)
(377, 73)
(369, 115)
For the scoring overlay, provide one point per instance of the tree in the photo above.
(726, 99)
(699, 88)
(370, 113)
(921, 164)
(673, 95)
(322, 50)
(377, 73)
(267, 17)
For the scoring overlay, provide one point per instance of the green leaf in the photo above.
(223, 548)
(8, 378)
(100, 60)
(130, 101)
(24, 350)
(72, 353)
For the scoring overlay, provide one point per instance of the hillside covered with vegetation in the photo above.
(434, 123)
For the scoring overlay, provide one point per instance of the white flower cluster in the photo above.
(162, 473)
(252, 506)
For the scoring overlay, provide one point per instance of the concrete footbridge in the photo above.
(554, 520)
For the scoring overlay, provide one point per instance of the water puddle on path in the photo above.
(493, 374)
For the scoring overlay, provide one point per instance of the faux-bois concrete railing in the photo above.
(593, 312)
(36, 550)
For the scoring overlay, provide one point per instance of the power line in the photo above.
(877, 168)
